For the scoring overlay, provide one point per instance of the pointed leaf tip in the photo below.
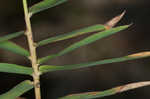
(114, 20)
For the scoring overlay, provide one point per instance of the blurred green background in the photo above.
(70, 16)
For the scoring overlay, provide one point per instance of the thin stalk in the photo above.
(32, 47)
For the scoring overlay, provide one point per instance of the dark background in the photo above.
(70, 16)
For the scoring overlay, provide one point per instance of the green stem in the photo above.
(33, 56)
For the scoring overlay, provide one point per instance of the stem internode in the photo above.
(32, 47)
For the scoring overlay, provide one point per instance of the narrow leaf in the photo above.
(10, 46)
(85, 41)
(120, 89)
(13, 68)
(18, 90)
(76, 33)
(11, 36)
(45, 4)
(111, 23)
(50, 68)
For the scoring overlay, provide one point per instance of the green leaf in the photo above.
(100, 94)
(45, 4)
(18, 90)
(91, 95)
(50, 68)
(13, 68)
(10, 46)
(11, 36)
(86, 30)
(85, 41)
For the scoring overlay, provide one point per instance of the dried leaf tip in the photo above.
(141, 54)
(133, 86)
(114, 20)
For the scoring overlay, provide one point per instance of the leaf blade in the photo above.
(75, 33)
(85, 41)
(11, 36)
(100, 94)
(50, 68)
(10, 46)
(92, 39)
(18, 90)
(45, 4)
(13, 68)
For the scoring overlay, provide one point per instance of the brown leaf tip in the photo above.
(133, 86)
(114, 20)
(141, 54)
